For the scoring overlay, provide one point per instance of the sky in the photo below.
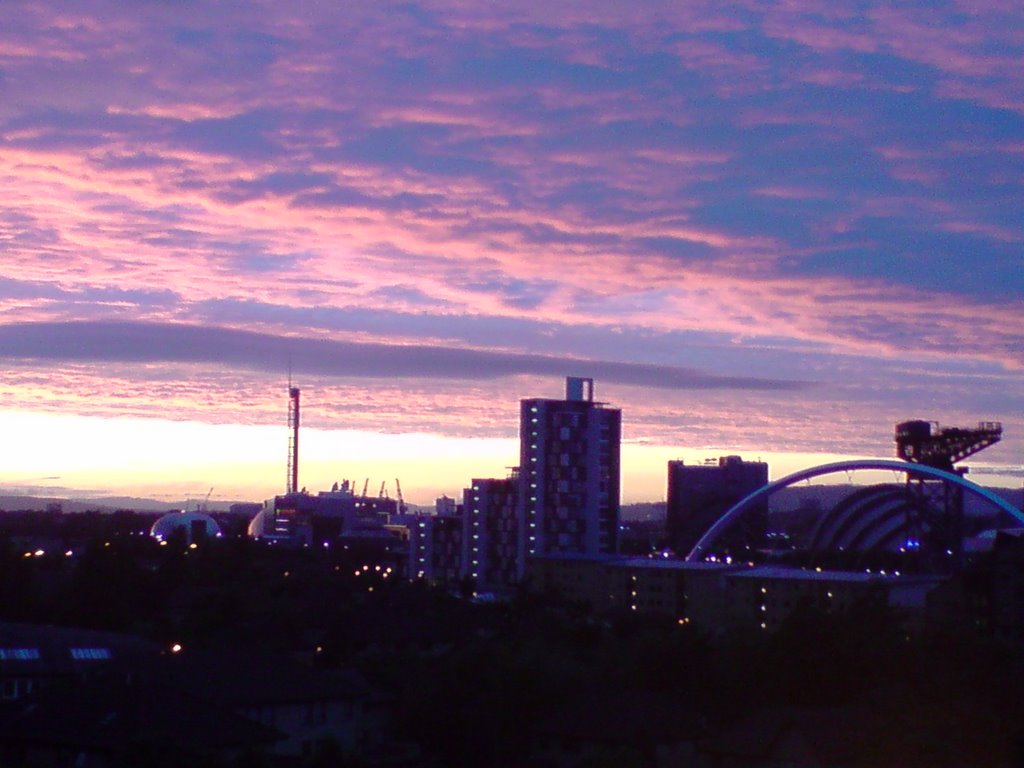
(768, 229)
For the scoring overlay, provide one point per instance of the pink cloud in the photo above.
(1002, 234)
(783, 192)
(160, 223)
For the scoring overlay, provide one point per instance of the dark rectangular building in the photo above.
(490, 539)
(699, 494)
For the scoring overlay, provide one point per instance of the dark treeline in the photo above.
(491, 684)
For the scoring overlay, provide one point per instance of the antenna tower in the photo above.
(293, 437)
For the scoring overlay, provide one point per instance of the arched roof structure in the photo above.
(184, 521)
(906, 467)
(872, 517)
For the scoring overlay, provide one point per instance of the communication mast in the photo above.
(293, 439)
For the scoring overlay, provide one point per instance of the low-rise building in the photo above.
(34, 656)
(718, 596)
(578, 578)
(302, 518)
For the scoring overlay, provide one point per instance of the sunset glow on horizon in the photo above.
(766, 230)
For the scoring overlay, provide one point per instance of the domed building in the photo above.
(195, 525)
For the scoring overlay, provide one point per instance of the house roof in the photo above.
(42, 650)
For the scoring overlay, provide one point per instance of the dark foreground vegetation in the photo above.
(533, 681)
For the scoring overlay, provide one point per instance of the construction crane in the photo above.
(924, 442)
(402, 508)
(938, 507)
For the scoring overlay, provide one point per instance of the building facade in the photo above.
(490, 536)
(716, 597)
(568, 474)
(435, 543)
(698, 494)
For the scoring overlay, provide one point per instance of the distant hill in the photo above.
(103, 504)
(787, 498)
(22, 503)
(41, 503)
(645, 510)
(825, 496)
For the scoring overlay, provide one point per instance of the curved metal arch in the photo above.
(905, 467)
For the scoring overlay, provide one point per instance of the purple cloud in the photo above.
(692, 182)
(146, 342)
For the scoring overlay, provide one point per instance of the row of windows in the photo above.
(90, 654)
(32, 654)
(19, 654)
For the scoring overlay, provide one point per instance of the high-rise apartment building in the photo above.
(568, 474)
(698, 494)
(435, 543)
(490, 539)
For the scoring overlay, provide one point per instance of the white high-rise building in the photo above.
(568, 474)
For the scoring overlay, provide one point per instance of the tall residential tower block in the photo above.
(568, 474)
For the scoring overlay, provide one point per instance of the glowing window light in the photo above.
(90, 654)
(19, 654)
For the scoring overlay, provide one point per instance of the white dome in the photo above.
(172, 522)
(258, 525)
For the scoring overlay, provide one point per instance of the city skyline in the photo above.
(766, 231)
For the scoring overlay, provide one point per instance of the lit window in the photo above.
(90, 654)
(19, 654)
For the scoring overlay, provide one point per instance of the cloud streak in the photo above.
(153, 343)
